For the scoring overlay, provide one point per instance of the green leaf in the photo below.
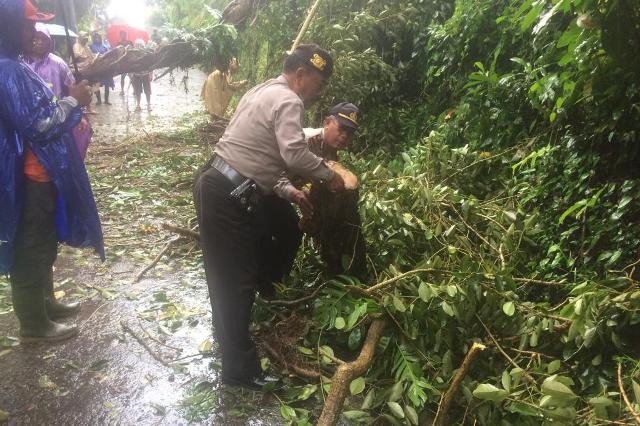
(636, 391)
(553, 366)
(447, 309)
(396, 391)
(425, 292)
(288, 412)
(490, 392)
(307, 391)
(601, 400)
(339, 323)
(411, 414)
(357, 386)
(304, 350)
(397, 303)
(524, 409)
(509, 309)
(355, 415)
(506, 380)
(557, 390)
(396, 409)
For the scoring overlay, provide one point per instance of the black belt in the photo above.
(227, 171)
(246, 191)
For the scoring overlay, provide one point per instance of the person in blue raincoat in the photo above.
(45, 195)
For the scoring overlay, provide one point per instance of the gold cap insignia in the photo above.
(353, 117)
(318, 62)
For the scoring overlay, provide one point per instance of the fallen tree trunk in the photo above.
(349, 371)
(121, 60)
(336, 226)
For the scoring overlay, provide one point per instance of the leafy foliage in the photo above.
(498, 161)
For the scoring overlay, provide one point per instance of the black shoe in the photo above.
(258, 383)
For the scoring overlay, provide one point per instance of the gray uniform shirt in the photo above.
(265, 137)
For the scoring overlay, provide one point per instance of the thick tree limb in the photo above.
(442, 416)
(347, 372)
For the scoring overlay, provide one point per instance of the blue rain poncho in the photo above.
(30, 116)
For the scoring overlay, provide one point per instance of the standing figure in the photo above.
(141, 82)
(56, 73)
(124, 42)
(99, 48)
(83, 53)
(220, 87)
(45, 196)
(263, 139)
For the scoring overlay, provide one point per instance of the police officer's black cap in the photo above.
(314, 57)
(347, 114)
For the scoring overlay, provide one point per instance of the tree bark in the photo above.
(347, 372)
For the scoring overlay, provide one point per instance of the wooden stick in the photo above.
(186, 232)
(347, 372)
(156, 260)
(155, 356)
(303, 30)
(625, 396)
(511, 361)
(442, 415)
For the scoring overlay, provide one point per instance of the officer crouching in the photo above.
(263, 139)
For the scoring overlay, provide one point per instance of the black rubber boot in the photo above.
(98, 97)
(35, 325)
(56, 309)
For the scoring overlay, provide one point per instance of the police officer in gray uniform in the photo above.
(263, 139)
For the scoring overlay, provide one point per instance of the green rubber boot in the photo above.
(35, 325)
(56, 309)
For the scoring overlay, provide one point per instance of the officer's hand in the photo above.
(81, 92)
(337, 183)
(301, 199)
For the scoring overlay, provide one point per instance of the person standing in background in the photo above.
(58, 76)
(220, 87)
(124, 42)
(98, 48)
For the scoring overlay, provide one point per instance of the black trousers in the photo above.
(231, 239)
(36, 244)
(280, 244)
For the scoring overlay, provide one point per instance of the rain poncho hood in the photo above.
(28, 112)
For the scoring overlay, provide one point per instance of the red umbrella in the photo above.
(113, 34)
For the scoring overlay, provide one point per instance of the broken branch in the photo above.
(624, 394)
(442, 415)
(347, 372)
(156, 260)
(155, 356)
(185, 232)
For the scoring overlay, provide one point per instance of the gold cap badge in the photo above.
(318, 62)
(353, 117)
